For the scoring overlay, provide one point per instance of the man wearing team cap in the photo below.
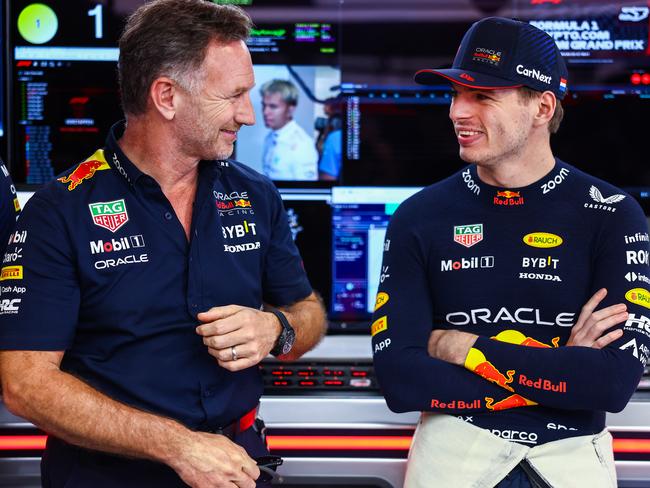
(481, 323)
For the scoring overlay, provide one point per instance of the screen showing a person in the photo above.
(65, 93)
(297, 135)
(360, 218)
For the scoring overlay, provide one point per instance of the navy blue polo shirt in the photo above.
(108, 275)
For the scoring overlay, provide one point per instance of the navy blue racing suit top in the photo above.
(107, 275)
(515, 267)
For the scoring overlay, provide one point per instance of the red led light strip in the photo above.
(338, 442)
(316, 443)
(397, 443)
(632, 445)
(22, 442)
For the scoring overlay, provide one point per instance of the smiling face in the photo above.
(207, 121)
(492, 126)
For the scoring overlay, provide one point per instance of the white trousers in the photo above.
(447, 452)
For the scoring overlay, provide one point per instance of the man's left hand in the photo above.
(238, 337)
(451, 346)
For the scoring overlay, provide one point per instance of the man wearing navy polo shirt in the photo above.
(144, 272)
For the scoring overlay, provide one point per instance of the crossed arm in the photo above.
(539, 377)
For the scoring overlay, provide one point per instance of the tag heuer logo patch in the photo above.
(468, 235)
(109, 215)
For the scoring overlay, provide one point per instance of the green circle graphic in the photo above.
(37, 23)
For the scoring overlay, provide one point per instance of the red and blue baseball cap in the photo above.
(504, 53)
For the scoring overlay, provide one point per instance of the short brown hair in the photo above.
(285, 88)
(527, 94)
(170, 38)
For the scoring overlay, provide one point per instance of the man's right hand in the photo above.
(589, 330)
(214, 461)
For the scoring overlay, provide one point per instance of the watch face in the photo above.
(290, 338)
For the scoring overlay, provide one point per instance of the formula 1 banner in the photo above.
(593, 31)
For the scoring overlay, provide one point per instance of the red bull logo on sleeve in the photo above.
(543, 384)
(512, 401)
(86, 170)
(456, 404)
(638, 296)
(109, 215)
(478, 363)
(516, 337)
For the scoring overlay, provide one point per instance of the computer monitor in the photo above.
(360, 218)
(404, 137)
(297, 76)
(64, 88)
(310, 215)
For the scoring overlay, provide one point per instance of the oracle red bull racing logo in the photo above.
(486, 55)
(233, 203)
(109, 215)
(86, 170)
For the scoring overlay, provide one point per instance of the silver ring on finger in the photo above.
(233, 353)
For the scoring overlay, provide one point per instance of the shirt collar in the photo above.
(117, 159)
(286, 130)
(130, 172)
(511, 198)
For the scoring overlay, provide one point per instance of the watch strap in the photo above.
(286, 329)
